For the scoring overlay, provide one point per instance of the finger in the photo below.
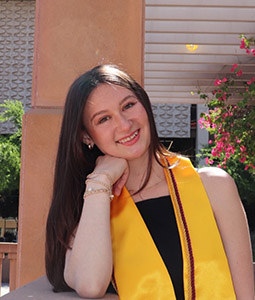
(117, 187)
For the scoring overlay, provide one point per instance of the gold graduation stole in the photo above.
(139, 271)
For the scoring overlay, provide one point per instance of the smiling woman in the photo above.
(119, 124)
(126, 210)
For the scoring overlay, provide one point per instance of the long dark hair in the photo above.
(75, 161)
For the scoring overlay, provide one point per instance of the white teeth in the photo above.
(128, 138)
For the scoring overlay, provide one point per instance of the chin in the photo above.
(137, 155)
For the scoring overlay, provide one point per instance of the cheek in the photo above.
(101, 137)
(141, 113)
(144, 118)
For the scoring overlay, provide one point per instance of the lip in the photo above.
(131, 142)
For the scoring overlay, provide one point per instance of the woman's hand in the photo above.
(116, 167)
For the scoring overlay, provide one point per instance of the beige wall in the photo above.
(71, 36)
(171, 70)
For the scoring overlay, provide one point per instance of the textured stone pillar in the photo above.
(71, 36)
(202, 135)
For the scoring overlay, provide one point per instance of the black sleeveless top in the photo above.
(159, 217)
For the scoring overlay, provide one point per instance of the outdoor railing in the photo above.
(9, 250)
(9, 224)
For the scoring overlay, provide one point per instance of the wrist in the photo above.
(95, 191)
(101, 176)
(96, 186)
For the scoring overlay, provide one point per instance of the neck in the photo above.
(138, 171)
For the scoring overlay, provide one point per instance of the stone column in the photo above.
(71, 36)
(202, 135)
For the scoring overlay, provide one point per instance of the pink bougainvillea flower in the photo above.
(217, 82)
(210, 141)
(248, 51)
(251, 81)
(214, 152)
(242, 159)
(220, 81)
(208, 161)
(242, 148)
(243, 46)
(239, 73)
(234, 67)
(250, 165)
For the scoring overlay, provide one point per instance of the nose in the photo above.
(123, 123)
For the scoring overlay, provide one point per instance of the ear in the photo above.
(86, 139)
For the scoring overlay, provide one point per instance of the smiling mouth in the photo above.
(128, 139)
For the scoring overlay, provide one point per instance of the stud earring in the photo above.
(90, 146)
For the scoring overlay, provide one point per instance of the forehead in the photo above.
(106, 94)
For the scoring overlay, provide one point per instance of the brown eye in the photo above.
(128, 105)
(104, 119)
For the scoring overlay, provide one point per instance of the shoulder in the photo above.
(219, 186)
(214, 175)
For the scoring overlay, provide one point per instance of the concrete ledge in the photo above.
(41, 289)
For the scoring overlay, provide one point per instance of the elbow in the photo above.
(91, 291)
(86, 288)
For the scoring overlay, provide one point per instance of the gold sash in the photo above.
(139, 271)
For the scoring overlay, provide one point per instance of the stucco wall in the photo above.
(71, 36)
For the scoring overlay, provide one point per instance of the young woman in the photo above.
(168, 232)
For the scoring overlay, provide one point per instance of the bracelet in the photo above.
(91, 191)
(91, 175)
(98, 182)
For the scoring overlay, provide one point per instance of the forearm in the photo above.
(88, 266)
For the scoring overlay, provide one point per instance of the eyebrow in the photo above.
(105, 111)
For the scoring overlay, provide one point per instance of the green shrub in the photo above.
(10, 148)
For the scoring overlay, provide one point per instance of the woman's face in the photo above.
(116, 122)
